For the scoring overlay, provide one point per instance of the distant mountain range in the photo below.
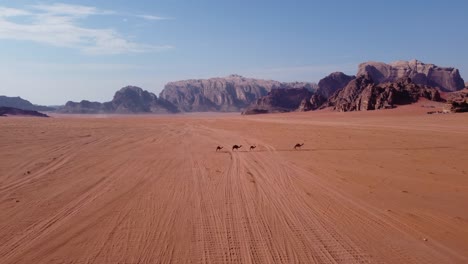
(377, 85)
(20, 103)
(128, 100)
(229, 94)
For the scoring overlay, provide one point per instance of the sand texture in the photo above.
(379, 187)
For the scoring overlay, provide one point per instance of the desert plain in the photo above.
(386, 186)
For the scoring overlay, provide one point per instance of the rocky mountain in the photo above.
(20, 103)
(127, 100)
(228, 94)
(364, 94)
(8, 111)
(444, 78)
(278, 101)
(327, 87)
(300, 99)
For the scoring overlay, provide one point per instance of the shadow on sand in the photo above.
(334, 149)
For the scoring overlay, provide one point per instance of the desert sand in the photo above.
(377, 187)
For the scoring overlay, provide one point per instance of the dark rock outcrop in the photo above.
(327, 87)
(306, 105)
(229, 94)
(7, 111)
(457, 102)
(445, 79)
(128, 100)
(364, 94)
(20, 103)
(279, 101)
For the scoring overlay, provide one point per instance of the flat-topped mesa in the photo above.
(128, 100)
(446, 79)
(225, 94)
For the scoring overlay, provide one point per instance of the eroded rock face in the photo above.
(457, 102)
(279, 101)
(364, 94)
(128, 100)
(327, 87)
(229, 94)
(443, 78)
(305, 105)
(6, 111)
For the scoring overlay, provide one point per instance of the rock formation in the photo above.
(445, 79)
(280, 100)
(20, 103)
(6, 111)
(127, 100)
(229, 94)
(364, 94)
(457, 102)
(327, 87)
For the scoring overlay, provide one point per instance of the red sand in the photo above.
(376, 187)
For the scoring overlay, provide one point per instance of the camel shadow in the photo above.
(336, 149)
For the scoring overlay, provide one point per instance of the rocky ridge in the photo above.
(364, 94)
(229, 94)
(446, 79)
(20, 103)
(327, 87)
(128, 100)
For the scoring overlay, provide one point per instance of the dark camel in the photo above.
(298, 145)
(252, 147)
(236, 147)
(219, 148)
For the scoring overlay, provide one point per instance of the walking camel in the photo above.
(236, 147)
(298, 146)
(219, 148)
(252, 147)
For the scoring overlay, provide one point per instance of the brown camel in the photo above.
(252, 147)
(236, 147)
(219, 148)
(298, 145)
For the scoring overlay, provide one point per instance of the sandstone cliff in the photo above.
(364, 94)
(457, 102)
(327, 87)
(228, 94)
(443, 78)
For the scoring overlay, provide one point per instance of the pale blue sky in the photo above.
(54, 51)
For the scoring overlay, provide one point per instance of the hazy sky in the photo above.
(53, 51)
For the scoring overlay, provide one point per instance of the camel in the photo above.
(219, 148)
(236, 147)
(298, 145)
(252, 147)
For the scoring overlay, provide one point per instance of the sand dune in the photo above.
(380, 187)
